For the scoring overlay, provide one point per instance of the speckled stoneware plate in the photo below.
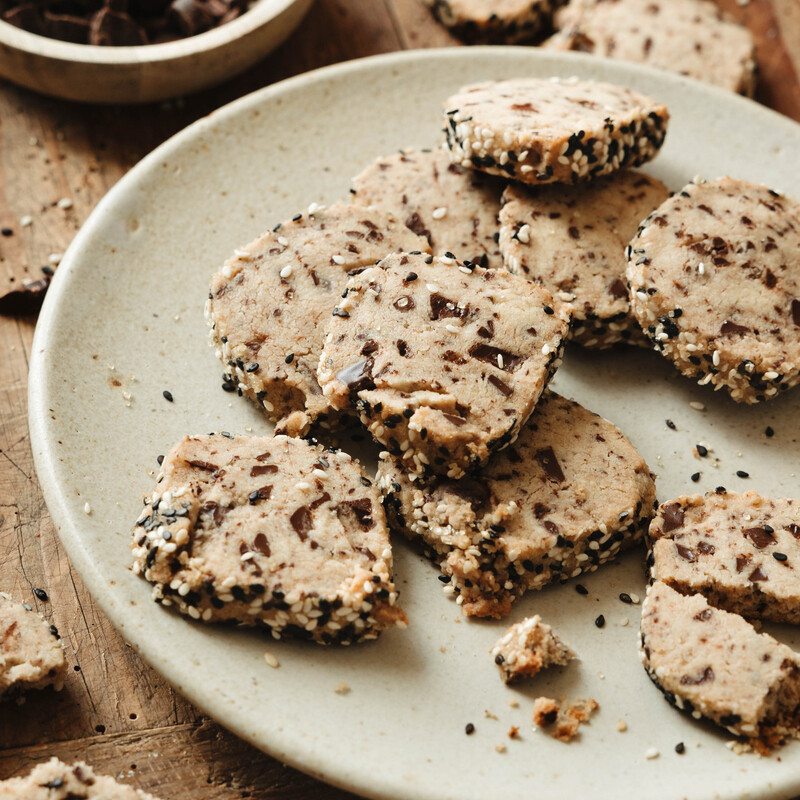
(124, 319)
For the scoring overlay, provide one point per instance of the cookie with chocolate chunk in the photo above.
(54, 780)
(443, 362)
(714, 664)
(559, 130)
(454, 208)
(715, 284)
(690, 37)
(270, 531)
(494, 21)
(527, 647)
(572, 240)
(739, 550)
(566, 497)
(31, 655)
(268, 305)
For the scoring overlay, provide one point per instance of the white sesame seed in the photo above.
(314, 207)
(87, 509)
(451, 328)
(465, 270)
(715, 358)
(770, 376)
(500, 360)
(337, 259)
(545, 349)
(697, 406)
(282, 240)
(439, 213)
(431, 287)
(55, 258)
(271, 660)
(651, 754)
(701, 268)
(247, 556)
(286, 271)
(193, 612)
(65, 203)
(26, 221)
(302, 485)
(524, 234)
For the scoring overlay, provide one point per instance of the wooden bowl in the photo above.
(145, 73)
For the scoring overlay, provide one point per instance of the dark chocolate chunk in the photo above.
(302, 522)
(760, 537)
(673, 517)
(552, 469)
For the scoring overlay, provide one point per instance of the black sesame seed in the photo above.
(297, 217)
(411, 277)
(48, 270)
(54, 631)
(167, 395)
(625, 597)
(779, 556)
(548, 310)
(56, 783)
(470, 729)
(600, 621)
(581, 589)
(680, 748)
(769, 432)
(671, 425)
(701, 451)
(444, 578)
(7, 232)
(740, 473)
(695, 477)
(499, 659)
(365, 481)
(448, 254)
(721, 490)
(252, 368)
(160, 460)
(289, 358)
(41, 594)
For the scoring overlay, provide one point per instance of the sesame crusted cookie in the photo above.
(31, 656)
(711, 663)
(567, 496)
(527, 647)
(742, 551)
(572, 239)
(714, 281)
(268, 304)
(690, 37)
(552, 131)
(454, 208)
(54, 780)
(443, 362)
(270, 531)
(494, 21)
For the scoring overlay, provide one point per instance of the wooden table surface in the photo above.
(115, 712)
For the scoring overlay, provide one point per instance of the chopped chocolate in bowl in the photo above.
(121, 23)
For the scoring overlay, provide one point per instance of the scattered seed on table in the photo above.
(695, 477)
(625, 597)
(41, 594)
(581, 589)
(680, 748)
(470, 729)
(600, 621)
(671, 425)
(701, 450)
(160, 460)
(769, 432)
(167, 395)
(7, 232)
(740, 473)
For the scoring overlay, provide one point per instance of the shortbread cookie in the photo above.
(443, 362)
(567, 496)
(715, 284)
(527, 647)
(54, 780)
(690, 37)
(268, 305)
(572, 239)
(31, 655)
(454, 208)
(494, 21)
(711, 663)
(269, 531)
(552, 131)
(742, 551)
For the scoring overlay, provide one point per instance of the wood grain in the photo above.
(114, 711)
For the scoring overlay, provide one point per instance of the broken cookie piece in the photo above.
(31, 655)
(54, 780)
(269, 531)
(563, 724)
(527, 647)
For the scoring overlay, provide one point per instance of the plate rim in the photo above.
(44, 453)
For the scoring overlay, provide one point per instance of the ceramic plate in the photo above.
(123, 321)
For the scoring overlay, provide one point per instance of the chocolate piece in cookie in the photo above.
(31, 656)
(443, 362)
(527, 647)
(742, 551)
(269, 304)
(572, 239)
(715, 284)
(54, 780)
(690, 37)
(567, 496)
(494, 21)
(552, 131)
(269, 531)
(454, 208)
(712, 663)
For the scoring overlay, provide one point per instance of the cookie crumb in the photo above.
(500, 748)
(547, 711)
(622, 726)
(513, 703)
(513, 732)
(489, 715)
(342, 688)
(271, 660)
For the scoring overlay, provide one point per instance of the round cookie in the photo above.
(268, 304)
(690, 37)
(738, 550)
(270, 531)
(454, 208)
(713, 664)
(443, 362)
(714, 281)
(552, 131)
(494, 21)
(572, 239)
(566, 497)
